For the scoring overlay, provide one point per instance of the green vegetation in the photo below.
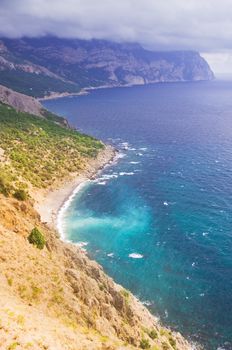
(153, 334)
(126, 295)
(144, 344)
(13, 346)
(39, 151)
(36, 85)
(172, 341)
(20, 194)
(165, 346)
(37, 238)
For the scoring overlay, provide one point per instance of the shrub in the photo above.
(172, 341)
(153, 334)
(144, 344)
(37, 238)
(4, 186)
(20, 194)
(165, 346)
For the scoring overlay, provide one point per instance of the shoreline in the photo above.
(85, 91)
(52, 206)
(52, 202)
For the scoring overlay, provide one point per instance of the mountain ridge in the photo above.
(40, 66)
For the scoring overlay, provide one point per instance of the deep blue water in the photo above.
(169, 199)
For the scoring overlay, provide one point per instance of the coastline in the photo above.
(50, 203)
(85, 91)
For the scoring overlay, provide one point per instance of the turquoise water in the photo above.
(160, 220)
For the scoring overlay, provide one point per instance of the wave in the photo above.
(81, 244)
(102, 183)
(135, 256)
(147, 302)
(119, 155)
(123, 173)
(60, 222)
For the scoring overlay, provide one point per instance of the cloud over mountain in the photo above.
(170, 24)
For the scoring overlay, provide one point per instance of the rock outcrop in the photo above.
(20, 102)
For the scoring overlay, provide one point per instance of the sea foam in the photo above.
(60, 222)
(135, 256)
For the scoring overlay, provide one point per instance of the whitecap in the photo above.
(111, 255)
(165, 203)
(205, 233)
(102, 183)
(125, 145)
(81, 244)
(122, 173)
(132, 162)
(109, 176)
(147, 303)
(119, 156)
(135, 256)
(143, 148)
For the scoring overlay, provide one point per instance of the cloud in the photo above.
(157, 24)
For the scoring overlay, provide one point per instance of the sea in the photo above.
(159, 220)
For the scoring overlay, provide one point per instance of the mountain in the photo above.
(39, 66)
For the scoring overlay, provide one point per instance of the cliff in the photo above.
(20, 101)
(40, 66)
(56, 298)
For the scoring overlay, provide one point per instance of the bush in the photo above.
(165, 346)
(153, 334)
(4, 186)
(144, 344)
(20, 194)
(37, 238)
(172, 341)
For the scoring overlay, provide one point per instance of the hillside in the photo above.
(55, 297)
(20, 102)
(39, 151)
(40, 66)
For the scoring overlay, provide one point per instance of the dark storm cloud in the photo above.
(160, 24)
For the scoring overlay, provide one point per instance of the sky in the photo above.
(202, 25)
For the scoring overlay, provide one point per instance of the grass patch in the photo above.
(145, 344)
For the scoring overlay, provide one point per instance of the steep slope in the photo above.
(57, 298)
(85, 64)
(20, 102)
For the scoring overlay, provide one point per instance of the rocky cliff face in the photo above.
(20, 101)
(73, 64)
